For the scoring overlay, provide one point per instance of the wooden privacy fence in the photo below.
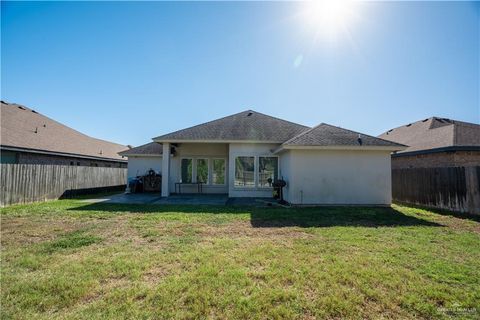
(452, 188)
(25, 183)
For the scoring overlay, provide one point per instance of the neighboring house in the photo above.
(436, 142)
(238, 154)
(143, 158)
(28, 137)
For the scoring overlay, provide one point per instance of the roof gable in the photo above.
(248, 125)
(325, 135)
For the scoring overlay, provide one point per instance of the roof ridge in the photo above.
(229, 116)
(201, 124)
(367, 135)
(267, 115)
(404, 125)
(301, 134)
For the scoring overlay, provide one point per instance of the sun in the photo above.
(329, 17)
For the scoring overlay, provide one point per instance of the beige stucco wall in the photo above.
(198, 151)
(337, 177)
(248, 149)
(139, 165)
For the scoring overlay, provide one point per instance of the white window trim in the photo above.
(255, 165)
(258, 170)
(225, 172)
(194, 176)
(208, 169)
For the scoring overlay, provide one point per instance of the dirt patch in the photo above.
(244, 229)
(20, 231)
(458, 223)
(158, 272)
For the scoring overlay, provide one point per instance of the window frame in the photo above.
(258, 171)
(255, 166)
(225, 172)
(193, 169)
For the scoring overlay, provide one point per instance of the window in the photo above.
(187, 170)
(245, 171)
(218, 171)
(268, 169)
(202, 170)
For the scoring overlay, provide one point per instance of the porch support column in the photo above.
(166, 170)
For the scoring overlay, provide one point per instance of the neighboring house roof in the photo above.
(248, 126)
(435, 133)
(24, 129)
(325, 135)
(149, 149)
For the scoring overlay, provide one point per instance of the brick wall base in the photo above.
(439, 159)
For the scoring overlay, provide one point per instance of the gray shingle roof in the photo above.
(152, 148)
(327, 135)
(435, 132)
(24, 128)
(244, 126)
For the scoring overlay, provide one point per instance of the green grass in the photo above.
(70, 259)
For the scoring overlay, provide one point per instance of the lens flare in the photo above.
(329, 18)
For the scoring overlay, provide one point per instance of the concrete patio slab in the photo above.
(127, 198)
(195, 199)
(181, 199)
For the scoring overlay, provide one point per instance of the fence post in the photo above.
(472, 175)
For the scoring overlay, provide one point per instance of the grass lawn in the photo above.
(71, 259)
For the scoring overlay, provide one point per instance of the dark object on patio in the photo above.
(179, 184)
(152, 182)
(135, 185)
(278, 186)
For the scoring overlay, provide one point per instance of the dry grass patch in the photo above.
(69, 260)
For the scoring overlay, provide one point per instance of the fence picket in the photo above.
(444, 188)
(24, 183)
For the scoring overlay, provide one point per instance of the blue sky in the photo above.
(127, 72)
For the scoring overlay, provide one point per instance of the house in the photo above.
(436, 142)
(240, 155)
(28, 137)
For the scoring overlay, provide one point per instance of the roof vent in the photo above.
(34, 111)
(408, 125)
(22, 108)
(249, 114)
(359, 139)
(36, 130)
(425, 120)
